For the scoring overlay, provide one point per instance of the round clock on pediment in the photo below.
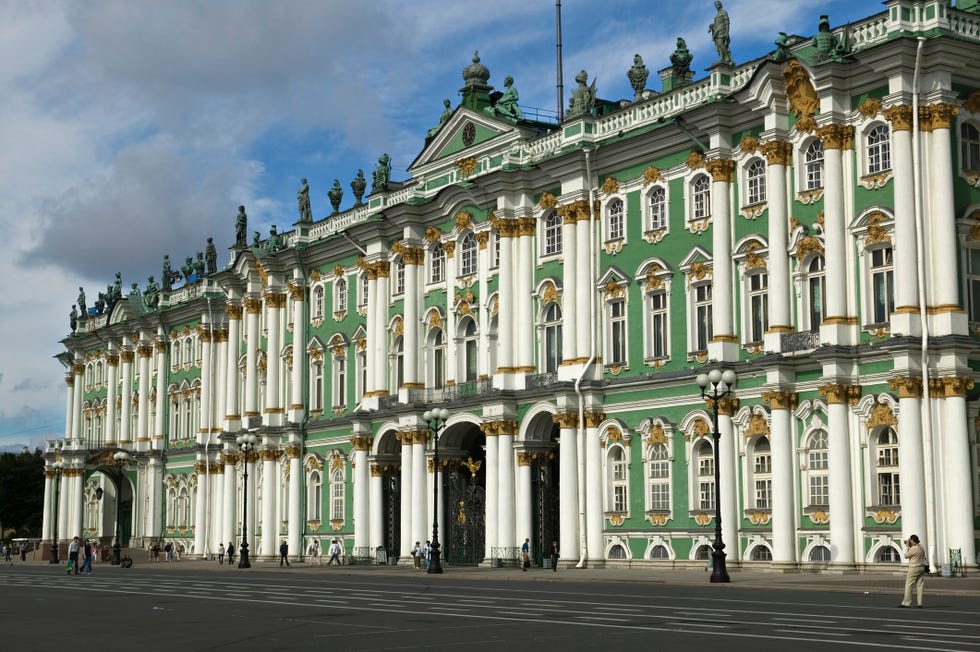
(469, 133)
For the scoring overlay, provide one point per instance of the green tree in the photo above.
(22, 492)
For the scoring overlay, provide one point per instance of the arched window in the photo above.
(615, 217)
(886, 467)
(314, 496)
(399, 276)
(757, 287)
(552, 234)
(552, 338)
(318, 301)
(659, 552)
(362, 292)
(882, 284)
(970, 147)
(702, 316)
(762, 473)
(658, 330)
(818, 481)
(617, 477)
(820, 554)
(316, 385)
(171, 507)
(706, 475)
(337, 495)
(703, 552)
(340, 290)
(437, 263)
(617, 552)
(761, 553)
(183, 507)
(467, 255)
(188, 352)
(618, 337)
(888, 555)
(398, 362)
(658, 478)
(879, 150)
(340, 379)
(701, 197)
(658, 208)
(755, 177)
(813, 162)
(437, 359)
(816, 298)
(468, 350)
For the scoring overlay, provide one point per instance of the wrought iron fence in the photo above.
(799, 341)
(533, 381)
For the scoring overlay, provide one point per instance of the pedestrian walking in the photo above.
(334, 552)
(231, 552)
(427, 552)
(169, 549)
(526, 555)
(915, 576)
(554, 556)
(87, 553)
(6, 554)
(73, 549)
(283, 551)
(314, 551)
(417, 555)
(221, 553)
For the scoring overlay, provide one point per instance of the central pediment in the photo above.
(466, 133)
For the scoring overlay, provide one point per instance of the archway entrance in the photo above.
(541, 442)
(388, 464)
(465, 489)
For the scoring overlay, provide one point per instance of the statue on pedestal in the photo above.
(151, 296)
(335, 195)
(382, 174)
(506, 106)
(211, 257)
(443, 119)
(583, 97)
(241, 228)
(720, 32)
(638, 77)
(303, 201)
(358, 185)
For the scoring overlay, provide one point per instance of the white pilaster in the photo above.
(841, 487)
(783, 472)
(722, 312)
(956, 473)
(274, 411)
(506, 536)
(406, 498)
(493, 489)
(524, 521)
(375, 526)
(362, 489)
(145, 351)
(295, 525)
(126, 417)
(419, 494)
(229, 500)
(593, 488)
(727, 456)
(298, 372)
(506, 328)
(571, 273)
(270, 520)
(411, 317)
(253, 309)
(523, 314)
(233, 415)
(112, 396)
(568, 487)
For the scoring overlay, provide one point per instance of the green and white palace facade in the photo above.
(809, 221)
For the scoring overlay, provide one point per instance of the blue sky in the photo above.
(131, 129)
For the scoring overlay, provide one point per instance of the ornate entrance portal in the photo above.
(465, 490)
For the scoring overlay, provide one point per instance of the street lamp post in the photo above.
(436, 418)
(246, 443)
(721, 385)
(58, 466)
(120, 459)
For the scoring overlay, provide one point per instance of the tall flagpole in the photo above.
(561, 112)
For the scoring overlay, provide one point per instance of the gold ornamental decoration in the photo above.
(651, 175)
(610, 186)
(900, 116)
(721, 169)
(757, 426)
(881, 415)
(808, 245)
(464, 220)
(749, 144)
(657, 436)
(695, 160)
(432, 234)
(466, 165)
(547, 201)
(869, 108)
(803, 99)
(778, 152)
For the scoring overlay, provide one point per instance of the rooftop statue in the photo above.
(382, 174)
(211, 257)
(782, 52)
(199, 266)
(241, 228)
(443, 119)
(151, 296)
(81, 302)
(256, 240)
(100, 303)
(303, 200)
(335, 195)
(274, 243)
(167, 276)
(681, 59)
(583, 97)
(506, 106)
(719, 30)
(638, 77)
(117, 287)
(188, 269)
(358, 185)
(475, 74)
(73, 318)
(826, 46)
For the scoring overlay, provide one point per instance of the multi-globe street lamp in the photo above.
(119, 460)
(436, 419)
(716, 385)
(58, 467)
(246, 443)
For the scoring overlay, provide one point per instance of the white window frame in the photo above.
(883, 455)
(703, 476)
(656, 325)
(338, 385)
(617, 331)
(436, 358)
(338, 495)
(468, 255)
(551, 235)
(699, 189)
(700, 315)
(814, 277)
(969, 141)
(614, 223)
(659, 461)
(813, 166)
(319, 301)
(314, 496)
(550, 339)
(340, 295)
(363, 285)
(760, 470)
(437, 263)
(398, 286)
(468, 350)
(817, 469)
(316, 384)
(971, 281)
(755, 182)
(617, 480)
(397, 362)
(658, 215)
(755, 309)
(880, 263)
(877, 149)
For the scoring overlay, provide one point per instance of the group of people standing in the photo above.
(80, 556)
(422, 555)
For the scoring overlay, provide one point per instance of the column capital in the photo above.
(360, 442)
(836, 136)
(781, 399)
(127, 356)
(593, 418)
(778, 152)
(907, 386)
(234, 311)
(900, 116)
(410, 255)
(837, 394)
(950, 386)
(499, 427)
(577, 211)
(275, 299)
(720, 169)
(565, 419)
(942, 115)
(253, 305)
(144, 350)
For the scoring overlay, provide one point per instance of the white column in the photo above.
(47, 515)
(835, 278)
(249, 515)
(362, 489)
(783, 472)
(506, 521)
(126, 416)
(839, 463)
(568, 487)
(270, 519)
(206, 422)
(298, 402)
(63, 506)
(571, 272)
(220, 376)
(493, 495)
(910, 455)
(406, 498)
(419, 494)
(375, 526)
(160, 418)
(145, 351)
(274, 302)
(380, 340)
(76, 408)
(230, 503)
(506, 328)
(944, 288)
(525, 523)
(906, 276)
(593, 487)
(957, 471)
(112, 396)
(233, 415)
(253, 308)
(778, 157)
(583, 288)
(523, 314)
(201, 508)
(295, 523)
(371, 382)
(411, 314)
(77, 502)
(728, 475)
(722, 313)
(69, 403)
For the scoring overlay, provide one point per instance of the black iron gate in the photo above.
(545, 507)
(465, 506)
(391, 488)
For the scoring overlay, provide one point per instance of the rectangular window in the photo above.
(882, 290)
(658, 325)
(819, 490)
(702, 316)
(617, 327)
(758, 306)
(619, 498)
(706, 495)
(763, 494)
(888, 493)
(973, 283)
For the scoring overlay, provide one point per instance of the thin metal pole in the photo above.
(243, 556)
(435, 564)
(561, 87)
(719, 572)
(54, 545)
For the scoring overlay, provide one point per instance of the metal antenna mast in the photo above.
(561, 112)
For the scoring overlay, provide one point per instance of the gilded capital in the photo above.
(233, 311)
(778, 152)
(482, 238)
(275, 299)
(906, 386)
(942, 115)
(360, 442)
(720, 169)
(565, 419)
(900, 116)
(833, 136)
(253, 305)
(593, 419)
(840, 394)
(781, 400)
(145, 350)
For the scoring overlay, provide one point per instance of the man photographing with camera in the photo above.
(916, 573)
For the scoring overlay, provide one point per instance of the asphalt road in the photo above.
(205, 607)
